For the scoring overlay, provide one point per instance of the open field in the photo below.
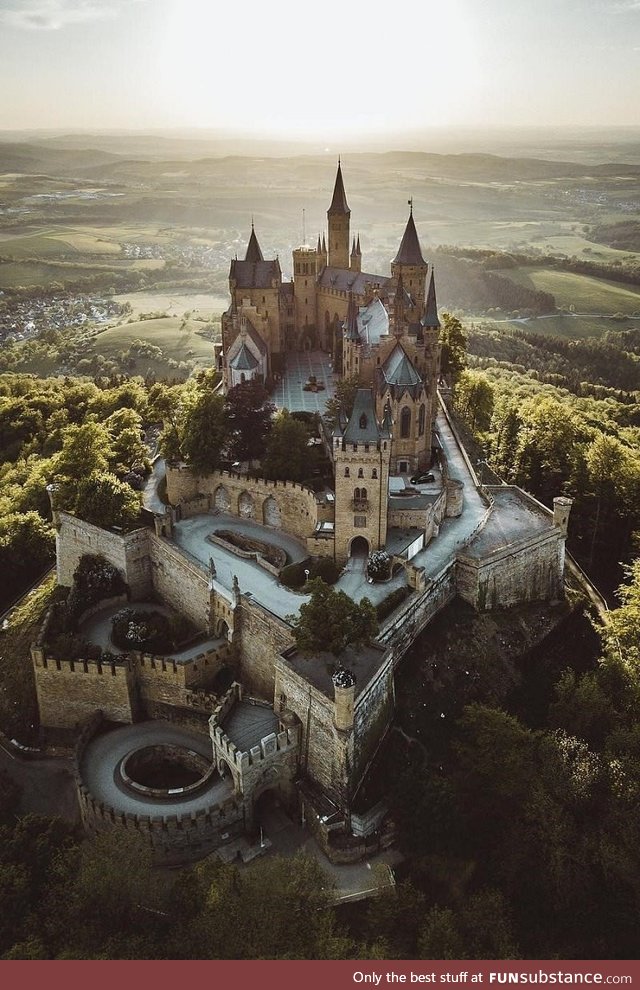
(199, 304)
(178, 343)
(568, 325)
(584, 292)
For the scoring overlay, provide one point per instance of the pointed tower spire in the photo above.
(430, 318)
(358, 251)
(254, 253)
(319, 246)
(409, 252)
(352, 320)
(339, 202)
(353, 248)
(324, 245)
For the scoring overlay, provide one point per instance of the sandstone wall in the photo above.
(263, 637)
(129, 552)
(180, 581)
(531, 570)
(70, 691)
(282, 504)
(372, 716)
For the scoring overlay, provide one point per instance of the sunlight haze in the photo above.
(333, 70)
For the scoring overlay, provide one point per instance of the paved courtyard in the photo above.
(289, 391)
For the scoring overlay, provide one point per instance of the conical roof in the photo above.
(430, 318)
(352, 320)
(339, 202)
(254, 252)
(398, 369)
(410, 252)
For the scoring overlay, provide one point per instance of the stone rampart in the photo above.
(180, 581)
(408, 621)
(129, 552)
(70, 691)
(283, 504)
(528, 570)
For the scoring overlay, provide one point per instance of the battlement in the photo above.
(268, 747)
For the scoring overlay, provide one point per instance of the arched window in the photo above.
(360, 473)
(363, 421)
(405, 422)
(363, 494)
(421, 419)
(356, 494)
(374, 473)
(346, 472)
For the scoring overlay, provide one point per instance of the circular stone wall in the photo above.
(164, 770)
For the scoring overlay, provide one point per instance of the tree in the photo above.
(205, 432)
(128, 448)
(250, 417)
(331, 621)
(27, 546)
(453, 341)
(341, 404)
(104, 500)
(287, 456)
(474, 399)
(85, 450)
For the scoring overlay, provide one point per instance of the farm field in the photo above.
(585, 293)
(568, 325)
(178, 343)
(199, 304)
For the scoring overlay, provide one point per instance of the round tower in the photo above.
(561, 510)
(344, 686)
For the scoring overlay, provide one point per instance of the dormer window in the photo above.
(363, 421)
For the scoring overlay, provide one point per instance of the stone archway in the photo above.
(271, 513)
(221, 499)
(359, 547)
(246, 506)
(223, 630)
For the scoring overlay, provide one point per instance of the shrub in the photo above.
(293, 575)
(391, 602)
(379, 566)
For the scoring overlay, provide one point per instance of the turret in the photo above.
(356, 256)
(409, 263)
(338, 216)
(344, 686)
(561, 510)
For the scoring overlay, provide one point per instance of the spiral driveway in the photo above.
(100, 760)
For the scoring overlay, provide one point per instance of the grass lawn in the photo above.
(178, 344)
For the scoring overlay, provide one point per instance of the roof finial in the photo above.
(252, 221)
(410, 203)
(338, 161)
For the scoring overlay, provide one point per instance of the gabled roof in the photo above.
(430, 318)
(363, 425)
(248, 333)
(339, 202)
(409, 252)
(244, 360)
(373, 322)
(254, 252)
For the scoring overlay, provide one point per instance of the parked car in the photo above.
(422, 479)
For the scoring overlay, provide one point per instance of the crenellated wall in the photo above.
(283, 504)
(70, 691)
(173, 838)
(527, 571)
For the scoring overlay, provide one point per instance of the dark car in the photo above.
(422, 479)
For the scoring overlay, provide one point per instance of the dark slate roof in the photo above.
(410, 252)
(244, 360)
(255, 337)
(254, 252)
(345, 280)
(339, 201)
(398, 374)
(430, 318)
(363, 425)
(286, 289)
(254, 274)
(352, 320)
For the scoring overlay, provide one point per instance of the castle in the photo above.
(304, 728)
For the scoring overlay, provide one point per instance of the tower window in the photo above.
(421, 419)
(363, 422)
(360, 522)
(360, 473)
(346, 472)
(405, 422)
(374, 473)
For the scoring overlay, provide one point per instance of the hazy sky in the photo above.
(328, 69)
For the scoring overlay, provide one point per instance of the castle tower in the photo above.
(402, 396)
(361, 458)
(254, 251)
(409, 263)
(306, 265)
(430, 324)
(338, 216)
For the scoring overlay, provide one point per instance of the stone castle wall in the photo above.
(263, 637)
(528, 571)
(173, 838)
(283, 504)
(181, 582)
(70, 691)
(129, 552)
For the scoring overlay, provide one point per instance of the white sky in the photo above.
(325, 69)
